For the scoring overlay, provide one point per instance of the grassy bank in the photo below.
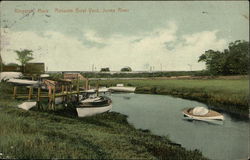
(229, 93)
(60, 134)
(36, 134)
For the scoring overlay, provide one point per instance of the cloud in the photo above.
(160, 47)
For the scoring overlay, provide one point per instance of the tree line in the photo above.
(231, 61)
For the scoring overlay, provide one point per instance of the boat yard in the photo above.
(47, 93)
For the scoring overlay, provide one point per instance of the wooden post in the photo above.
(30, 92)
(66, 93)
(54, 98)
(97, 88)
(49, 91)
(38, 97)
(70, 90)
(86, 84)
(14, 92)
(38, 94)
(77, 89)
(49, 95)
(63, 97)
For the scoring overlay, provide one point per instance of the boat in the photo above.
(121, 88)
(27, 105)
(23, 82)
(202, 114)
(94, 105)
(100, 90)
(10, 75)
(44, 75)
(94, 93)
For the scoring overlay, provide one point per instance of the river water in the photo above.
(162, 115)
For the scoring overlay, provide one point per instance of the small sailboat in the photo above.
(94, 105)
(202, 114)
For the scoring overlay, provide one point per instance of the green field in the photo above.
(43, 134)
(233, 93)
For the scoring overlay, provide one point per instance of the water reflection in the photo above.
(209, 122)
(234, 115)
(126, 97)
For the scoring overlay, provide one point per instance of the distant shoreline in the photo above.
(229, 93)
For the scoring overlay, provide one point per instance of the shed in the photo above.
(57, 85)
(34, 68)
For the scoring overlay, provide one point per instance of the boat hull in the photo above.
(212, 115)
(27, 105)
(122, 89)
(90, 111)
(100, 90)
(204, 118)
(23, 82)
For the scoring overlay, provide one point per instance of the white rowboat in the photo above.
(202, 114)
(94, 105)
(90, 111)
(122, 89)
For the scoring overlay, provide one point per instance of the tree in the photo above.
(1, 63)
(234, 60)
(105, 70)
(126, 69)
(24, 56)
(213, 60)
(238, 58)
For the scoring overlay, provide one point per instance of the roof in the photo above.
(57, 82)
(73, 76)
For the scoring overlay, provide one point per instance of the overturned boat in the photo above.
(27, 105)
(202, 114)
(23, 82)
(94, 105)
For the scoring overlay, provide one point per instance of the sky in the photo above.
(80, 36)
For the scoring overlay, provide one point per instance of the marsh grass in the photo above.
(234, 93)
(33, 134)
(6, 98)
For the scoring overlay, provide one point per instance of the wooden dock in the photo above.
(50, 95)
(55, 89)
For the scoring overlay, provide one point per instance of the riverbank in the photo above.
(44, 135)
(227, 94)
(60, 134)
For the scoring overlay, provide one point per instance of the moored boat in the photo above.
(121, 88)
(202, 114)
(100, 90)
(93, 106)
